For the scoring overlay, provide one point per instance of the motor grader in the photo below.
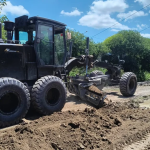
(35, 66)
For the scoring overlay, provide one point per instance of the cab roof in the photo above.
(23, 21)
(36, 18)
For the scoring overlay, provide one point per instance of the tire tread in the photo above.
(6, 81)
(38, 86)
(124, 81)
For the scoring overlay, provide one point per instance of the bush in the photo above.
(143, 76)
(147, 75)
(82, 71)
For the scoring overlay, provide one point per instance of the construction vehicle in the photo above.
(35, 66)
(89, 87)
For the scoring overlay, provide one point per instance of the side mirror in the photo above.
(68, 35)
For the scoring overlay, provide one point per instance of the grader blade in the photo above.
(95, 96)
(88, 89)
(95, 90)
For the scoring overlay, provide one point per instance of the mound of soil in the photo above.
(113, 126)
(147, 147)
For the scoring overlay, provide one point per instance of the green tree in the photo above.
(3, 18)
(101, 49)
(2, 3)
(145, 62)
(128, 45)
(133, 48)
(126, 42)
(79, 45)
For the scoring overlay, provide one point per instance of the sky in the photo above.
(97, 19)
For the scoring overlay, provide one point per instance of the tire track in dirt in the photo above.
(140, 145)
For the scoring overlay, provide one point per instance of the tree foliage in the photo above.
(79, 45)
(2, 3)
(133, 48)
(3, 18)
(145, 61)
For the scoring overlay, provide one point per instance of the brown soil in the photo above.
(142, 144)
(118, 125)
(147, 147)
(113, 126)
(95, 90)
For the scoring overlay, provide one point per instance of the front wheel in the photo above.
(128, 84)
(49, 95)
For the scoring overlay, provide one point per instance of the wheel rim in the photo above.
(132, 84)
(53, 96)
(9, 103)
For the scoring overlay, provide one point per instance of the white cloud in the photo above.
(140, 27)
(108, 6)
(100, 21)
(143, 2)
(146, 35)
(75, 12)
(115, 30)
(99, 15)
(14, 10)
(131, 15)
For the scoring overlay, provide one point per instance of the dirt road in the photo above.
(142, 95)
(119, 125)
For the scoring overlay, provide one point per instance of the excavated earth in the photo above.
(116, 126)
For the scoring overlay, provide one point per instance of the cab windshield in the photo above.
(50, 46)
(59, 47)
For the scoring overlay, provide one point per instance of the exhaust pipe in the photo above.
(9, 27)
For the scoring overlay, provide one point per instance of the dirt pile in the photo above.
(147, 147)
(113, 126)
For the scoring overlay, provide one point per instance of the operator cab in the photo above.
(45, 35)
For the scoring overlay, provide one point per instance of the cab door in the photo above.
(45, 44)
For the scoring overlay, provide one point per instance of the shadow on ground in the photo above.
(77, 100)
(119, 95)
(33, 115)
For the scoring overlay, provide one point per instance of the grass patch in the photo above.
(82, 71)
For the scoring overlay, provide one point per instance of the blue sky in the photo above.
(92, 16)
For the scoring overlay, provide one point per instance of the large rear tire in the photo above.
(14, 101)
(128, 84)
(49, 95)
